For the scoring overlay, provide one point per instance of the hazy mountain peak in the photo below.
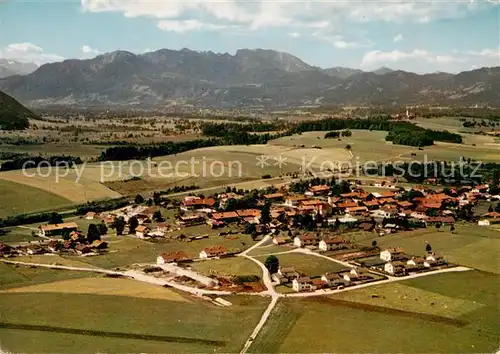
(342, 72)
(10, 67)
(383, 70)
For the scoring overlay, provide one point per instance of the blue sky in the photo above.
(420, 36)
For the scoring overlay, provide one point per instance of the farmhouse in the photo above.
(356, 210)
(274, 196)
(285, 275)
(228, 216)
(56, 229)
(330, 244)
(305, 240)
(142, 231)
(395, 268)
(392, 254)
(83, 249)
(215, 251)
(281, 240)
(294, 200)
(444, 220)
(192, 203)
(190, 220)
(172, 257)
(99, 245)
(303, 284)
(319, 190)
(417, 262)
(54, 246)
(333, 279)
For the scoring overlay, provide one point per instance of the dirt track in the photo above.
(88, 332)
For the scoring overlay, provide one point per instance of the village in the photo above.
(317, 222)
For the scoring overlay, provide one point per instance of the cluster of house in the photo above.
(313, 241)
(76, 243)
(216, 251)
(399, 263)
(300, 282)
(144, 216)
(384, 212)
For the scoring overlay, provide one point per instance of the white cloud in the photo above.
(398, 38)
(422, 61)
(189, 25)
(294, 34)
(87, 50)
(28, 53)
(259, 14)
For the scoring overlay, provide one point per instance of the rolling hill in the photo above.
(13, 115)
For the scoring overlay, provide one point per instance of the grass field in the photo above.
(385, 325)
(226, 165)
(124, 251)
(70, 187)
(17, 199)
(12, 276)
(309, 265)
(227, 266)
(470, 245)
(102, 286)
(143, 325)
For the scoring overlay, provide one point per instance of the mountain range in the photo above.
(12, 67)
(259, 78)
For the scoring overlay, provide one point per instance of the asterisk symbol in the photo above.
(280, 161)
(262, 161)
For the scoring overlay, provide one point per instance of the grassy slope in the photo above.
(198, 321)
(309, 265)
(16, 276)
(17, 199)
(348, 327)
(12, 113)
(228, 266)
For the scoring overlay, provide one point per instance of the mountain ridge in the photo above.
(250, 77)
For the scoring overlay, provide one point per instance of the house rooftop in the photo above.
(53, 227)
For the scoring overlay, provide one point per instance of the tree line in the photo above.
(135, 151)
(19, 162)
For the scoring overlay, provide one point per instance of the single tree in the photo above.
(119, 225)
(490, 208)
(65, 234)
(374, 243)
(55, 218)
(428, 248)
(348, 147)
(452, 228)
(250, 228)
(272, 264)
(157, 216)
(139, 199)
(438, 226)
(93, 233)
(265, 215)
(132, 224)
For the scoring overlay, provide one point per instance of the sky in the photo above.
(421, 36)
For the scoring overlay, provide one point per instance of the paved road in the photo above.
(266, 278)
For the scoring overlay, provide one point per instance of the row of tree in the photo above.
(337, 134)
(20, 162)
